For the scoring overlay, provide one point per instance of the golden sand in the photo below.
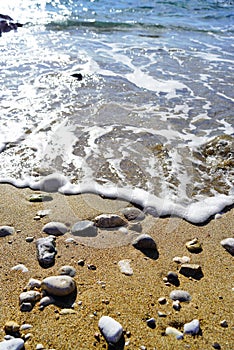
(130, 300)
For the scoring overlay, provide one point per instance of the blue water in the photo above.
(150, 121)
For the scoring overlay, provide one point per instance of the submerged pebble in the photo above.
(110, 328)
(125, 267)
(192, 327)
(84, 228)
(40, 198)
(109, 221)
(180, 295)
(55, 228)
(6, 231)
(133, 213)
(228, 244)
(58, 285)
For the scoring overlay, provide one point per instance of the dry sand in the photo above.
(128, 299)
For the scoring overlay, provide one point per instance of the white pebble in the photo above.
(181, 260)
(12, 344)
(20, 267)
(192, 327)
(175, 332)
(34, 283)
(125, 267)
(58, 285)
(110, 328)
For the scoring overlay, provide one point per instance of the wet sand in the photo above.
(131, 300)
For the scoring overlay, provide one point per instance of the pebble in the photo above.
(216, 345)
(162, 300)
(172, 278)
(176, 305)
(55, 228)
(52, 182)
(40, 198)
(40, 347)
(228, 244)
(224, 324)
(151, 322)
(192, 327)
(125, 267)
(20, 267)
(67, 270)
(12, 344)
(70, 240)
(43, 213)
(133, 214)
(181, 260)
(58, 285)
(175, 332)
(161, 314)
(31, 296)
(109, 221)
(194, 246)
(84, 228)
(67, 312)
(11, 327)
(81, 262)
(34, 283)
(46, 251)
(91, 267)
(29, 239)
(111, 329)
(180, 295)
(135, 226)
(144, 241)
(45, 301)
(6, 231)
(26, 326)
(26, 307)
(191, 270)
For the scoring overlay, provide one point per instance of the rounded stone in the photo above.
(58, 285)
(175, 332)
(151, 323)
(55, 228)
(12, 344)
(180, 295)
(133, 213)
(31, 296)
(172, 277)
(11, 327)
(6, 231)
(26, 307)
(109, 221)
(194, 246)
(110, 328)
(67, 270)
(228, 244)
(84, 228)
(192, 327)
(144, 241)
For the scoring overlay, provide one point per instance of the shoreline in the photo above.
(131, 300)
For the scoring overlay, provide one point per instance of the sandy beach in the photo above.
(130, 300)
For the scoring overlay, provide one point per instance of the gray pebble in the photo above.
(109, 221)
(6, 231)
(29, 239)
(162, 300)
(172, 278)
(55, 228)
(192, 327)
(40, 198)
(12, 344)
(34, 283)
(228, 244)
(26, 307)
(31, 296)
(46, 251)
(45, 301)
(151, 323)
(180, 295)
(144, 241)
(84, 228)
(191, 270)
(111, 329)
(133, 213)
(67, 270)
(25, 326)
(58, 285)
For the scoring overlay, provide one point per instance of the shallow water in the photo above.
(152, 119)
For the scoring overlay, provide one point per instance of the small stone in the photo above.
(70, 240)
(224, 324)
(180, 295)
(58, 285)
(40, 198)
(43, 213)
(11, 327)
(29, 239)
(151, 323)
(181, 260)
(218, 216)
(111, 329)
(125, 267)
(109, 221)
(52, 182)
(67, 312)
(192, 327)
(37, 218)
(30, 296)
(26, 307)
(55, 228)
(176, 305)
(6, 231)
(81, 262)
(191, 270)
(144, 241)
(161, 314)
(91, 267)
(216, 346)
(135, 226)
(142, 347)
(172, 278)
(20, 267)
(46, 251)
(34, 283)
(26, 326)
(162, 300)
(228, 244)
(84, 228)
(194, 246)
(67, 270)
(45, 301)
(12, 344)
(40, 347)
(133, 213)
(175, 332)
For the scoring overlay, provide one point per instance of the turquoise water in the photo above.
(150, 121)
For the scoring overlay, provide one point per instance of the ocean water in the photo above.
(151, 120)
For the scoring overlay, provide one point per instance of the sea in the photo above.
(128, 99)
